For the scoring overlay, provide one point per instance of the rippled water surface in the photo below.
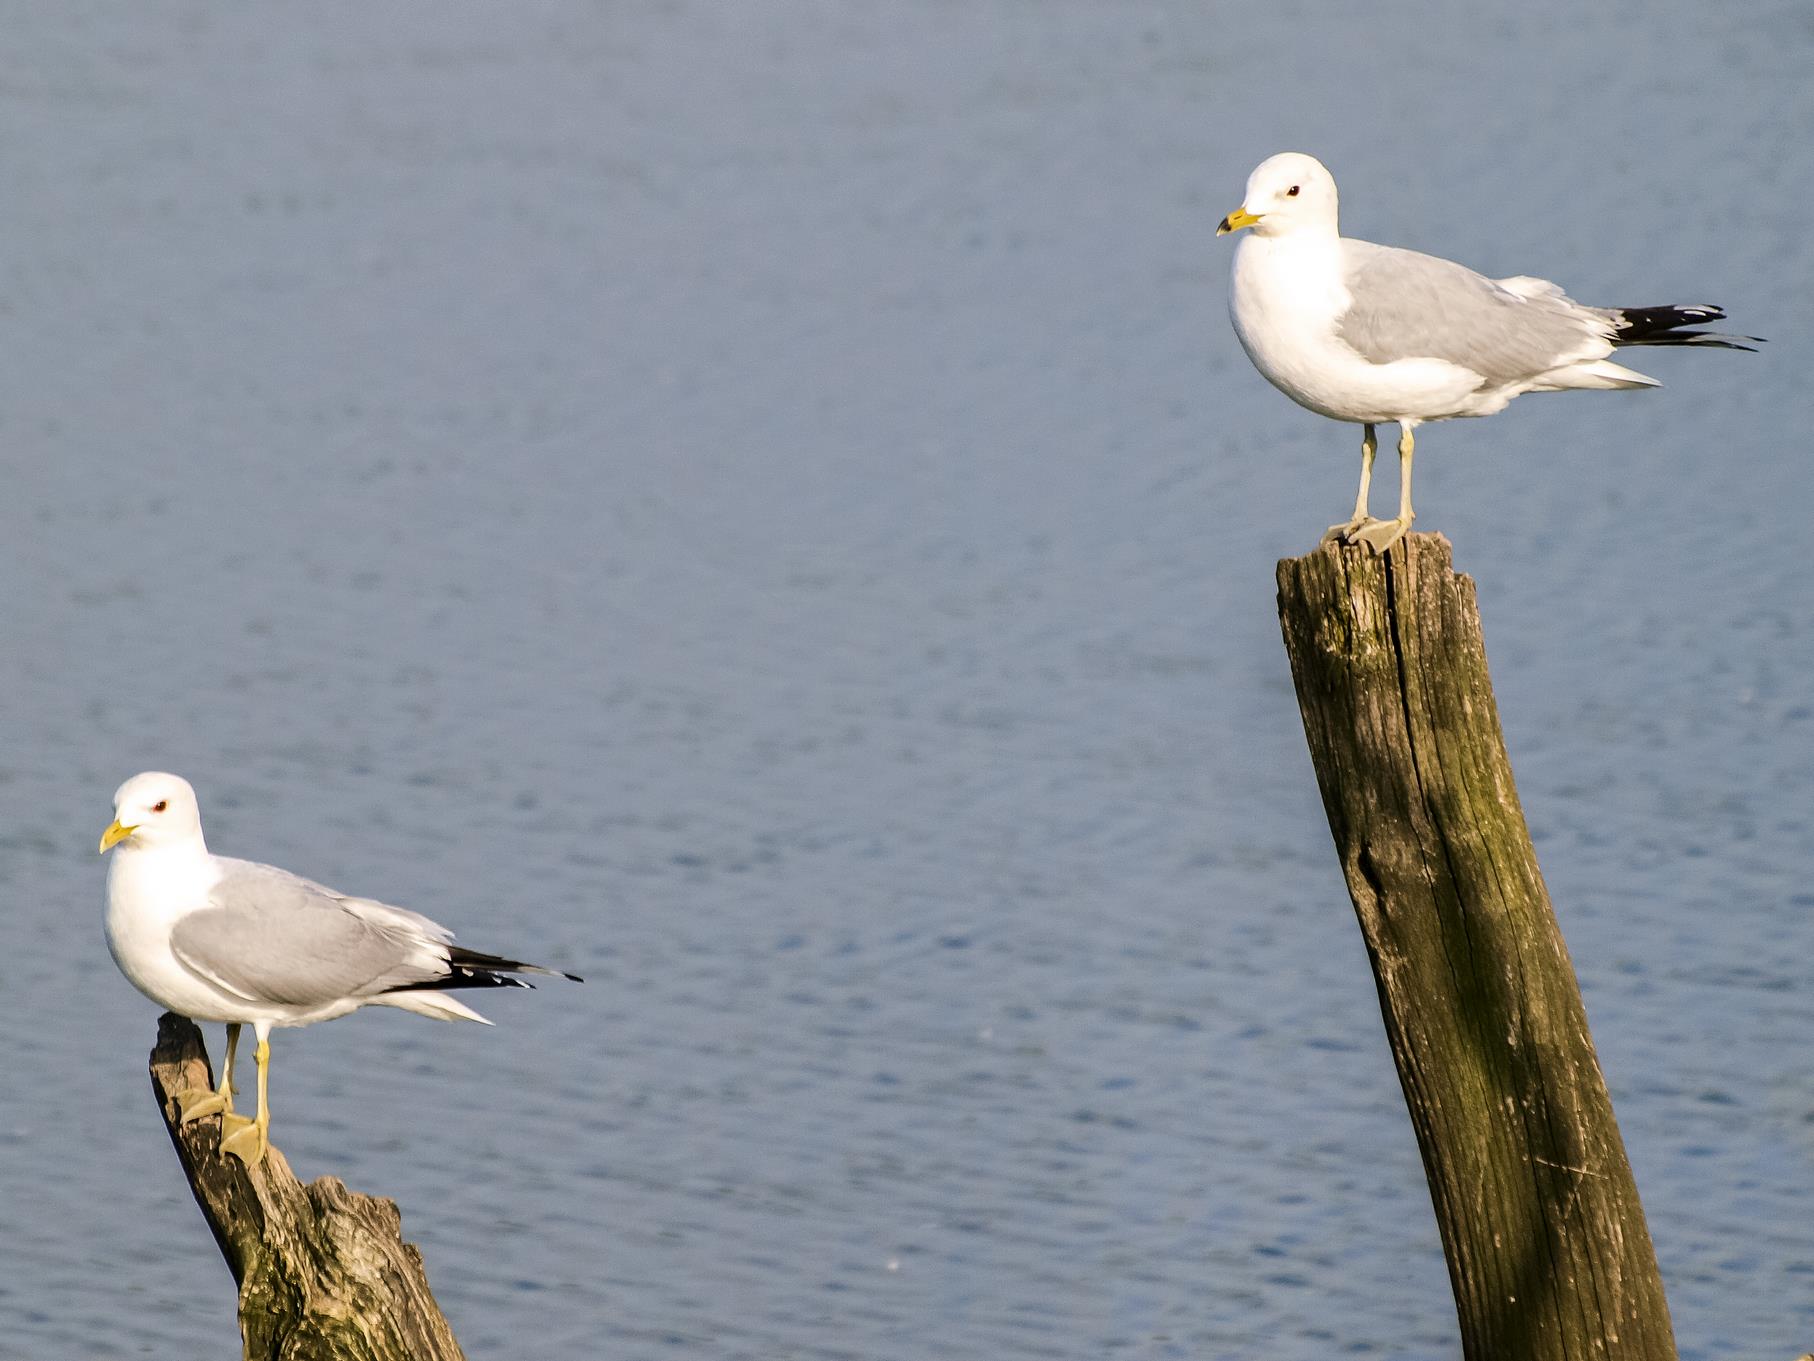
(760, 505)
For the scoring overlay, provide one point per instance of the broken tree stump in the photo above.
(1547, 1248)
(323, 1272)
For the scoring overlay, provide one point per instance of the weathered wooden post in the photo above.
(323, 1273)
(1547, 1248)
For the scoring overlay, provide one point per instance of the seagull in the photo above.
(1376, 335)
(217, 939)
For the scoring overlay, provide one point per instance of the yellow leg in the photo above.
(1407, 446)
(249, 1141)
(195, 1102)
(230, 1120)
(1382, 534)
(1344, 533)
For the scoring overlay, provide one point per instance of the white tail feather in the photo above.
(437, 1006)
(1598, 375)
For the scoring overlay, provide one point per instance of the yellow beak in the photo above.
(1236, 220)
(115, 834)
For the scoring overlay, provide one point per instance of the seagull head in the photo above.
(1286, 193)
(153, 809)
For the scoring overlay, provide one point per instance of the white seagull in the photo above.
(1374, 334)
(216, 939)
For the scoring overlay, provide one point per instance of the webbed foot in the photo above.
(1381, 534)
(1344, 533)
(247, 1141)
(195, 1102)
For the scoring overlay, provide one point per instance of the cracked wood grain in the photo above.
(1547, 1248)
(323, 1272)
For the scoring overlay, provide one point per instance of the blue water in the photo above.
(760, 506)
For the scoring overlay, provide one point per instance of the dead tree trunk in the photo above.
(1547, 1248)
(323, 1272)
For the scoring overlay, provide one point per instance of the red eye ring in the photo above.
(160, 805)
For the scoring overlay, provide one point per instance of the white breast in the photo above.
(1285, 297)
(148, 891)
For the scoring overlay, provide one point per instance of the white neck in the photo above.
(165, 880)
(1310, 289)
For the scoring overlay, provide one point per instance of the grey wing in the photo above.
(270, 936)
(1412, 306)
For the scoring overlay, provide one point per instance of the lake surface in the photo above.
(761, 506)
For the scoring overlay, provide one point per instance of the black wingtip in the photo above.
(463, 977)
(459, 957)
(1670, 325)
(470, 969)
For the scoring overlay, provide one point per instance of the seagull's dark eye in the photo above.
(1292, 192)
(160, 805)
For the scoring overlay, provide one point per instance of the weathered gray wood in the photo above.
(324, 1274)
(1546, 1243)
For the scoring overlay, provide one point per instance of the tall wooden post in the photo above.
(1547, 1248)
(323, 1273)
